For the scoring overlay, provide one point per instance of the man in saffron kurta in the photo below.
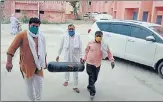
(30, 68)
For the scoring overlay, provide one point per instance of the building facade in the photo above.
(150, 11)
(60, 11)
(51, 11)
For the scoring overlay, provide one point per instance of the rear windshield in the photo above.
(103, 26)
(117, 28)
(158, 29)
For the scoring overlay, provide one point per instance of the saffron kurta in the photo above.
(27, 63)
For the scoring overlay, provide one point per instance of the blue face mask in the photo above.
(33, 29)
(71, 32)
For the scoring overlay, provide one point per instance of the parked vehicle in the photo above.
(136, 41)
(93, 14)
(102, 16)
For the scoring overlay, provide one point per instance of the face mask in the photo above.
(98, 39)
(71, 33)
(33, 29)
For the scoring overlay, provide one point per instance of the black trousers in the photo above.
(92, 72)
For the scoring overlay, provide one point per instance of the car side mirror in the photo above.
(150, 38)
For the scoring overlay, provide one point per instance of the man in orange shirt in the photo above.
(32, 58)
(94, 53)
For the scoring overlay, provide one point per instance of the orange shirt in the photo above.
(93, 54)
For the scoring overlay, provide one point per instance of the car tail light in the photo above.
(89, 30)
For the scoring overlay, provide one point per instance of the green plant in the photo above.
(45, 22)
(76, 8)
(5, 21)
(24, 19)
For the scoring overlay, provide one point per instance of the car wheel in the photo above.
(160, 69)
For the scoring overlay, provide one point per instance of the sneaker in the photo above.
(88, 89)
(76, 90)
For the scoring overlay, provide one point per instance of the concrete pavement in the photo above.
(127, 82)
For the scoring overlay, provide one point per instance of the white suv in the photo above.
(136, 41)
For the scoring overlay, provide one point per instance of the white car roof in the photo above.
(146, 24)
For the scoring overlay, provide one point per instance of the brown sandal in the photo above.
(76, 90)
(65, 84)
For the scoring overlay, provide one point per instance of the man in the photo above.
(94, 53)
(14, 25)
(32, 58)
(72, 45)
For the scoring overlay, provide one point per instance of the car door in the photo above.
(138, 49)
(117, 36)
(105, 28)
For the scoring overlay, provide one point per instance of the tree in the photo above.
(75, 7)
(24, 18)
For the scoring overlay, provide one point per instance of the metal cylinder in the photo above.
(65, 67)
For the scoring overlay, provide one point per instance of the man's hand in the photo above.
(46, 66)
(9, 66)
(57, 59)
(112, 65)
(82, 60)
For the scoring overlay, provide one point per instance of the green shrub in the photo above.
(45, 22)
(25, 19)
(5, 21)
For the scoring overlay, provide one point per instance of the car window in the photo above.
(158, 29)
(104, 26)
(139, 32)
(158, 39)
(123, 29)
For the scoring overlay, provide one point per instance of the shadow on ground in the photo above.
(136, 65)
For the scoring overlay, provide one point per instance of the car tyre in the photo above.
(160, 69)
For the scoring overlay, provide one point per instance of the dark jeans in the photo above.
(92, 72)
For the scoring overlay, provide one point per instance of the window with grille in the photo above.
(17, 11)
(41, 12)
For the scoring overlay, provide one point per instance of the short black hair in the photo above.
(98, 33)
(70, 25)
(34, 20)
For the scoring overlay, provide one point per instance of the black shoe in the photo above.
(92, 94)
(91, 97)
(88, 89)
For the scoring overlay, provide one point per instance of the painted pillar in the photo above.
(12, 7)
(149, 17)
(38, 9)
(154, 15)
(140, 14)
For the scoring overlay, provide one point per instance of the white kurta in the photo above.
(72, 53)
(14, 25)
